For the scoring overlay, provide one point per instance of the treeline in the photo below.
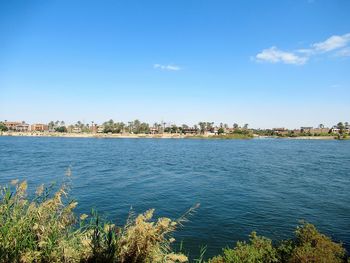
(137, 127)
(46, 229)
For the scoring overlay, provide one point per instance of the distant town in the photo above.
(136, 127)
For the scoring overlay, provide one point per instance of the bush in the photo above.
(259, 249)
(61, 129)
(309, 246)
(38, 230)
(45, 229)
(3, 127)
(312, 246)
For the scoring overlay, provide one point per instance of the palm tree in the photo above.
(202, 126)
(163, 124)
(341, 127)
(130, 126)
(51, 125)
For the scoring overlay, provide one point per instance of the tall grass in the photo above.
(46, 229)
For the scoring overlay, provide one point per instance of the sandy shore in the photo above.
(298, 138)
(314, 138)
(154, 136)
(91, 135)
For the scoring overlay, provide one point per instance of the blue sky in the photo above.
(266, 63)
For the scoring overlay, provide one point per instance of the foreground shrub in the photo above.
(259, 249)
(40, 230)
(309, 246)
(45, 229)
(312, 246)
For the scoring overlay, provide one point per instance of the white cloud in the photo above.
(167, 67)
(345, 52)
(301, 56)
(332, 43)
(274, 55)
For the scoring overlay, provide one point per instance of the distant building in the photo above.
(233, 130)
(96, 128)
(23, 127)
(11, 125)
(17, 126)
(93, 128)
(214, 131)
(154, 130)
(39, 127)
(76, 130)
(311, 130)
(296, 131)
(306, 129)
(320, 130)
(189, 131)
(280, 131)
(335, 130)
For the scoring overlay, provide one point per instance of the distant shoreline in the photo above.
(154, 136)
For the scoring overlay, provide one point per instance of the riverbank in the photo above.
(46, 229)
(91, 135)
(126, 135)
(297, 137)
(159, 136)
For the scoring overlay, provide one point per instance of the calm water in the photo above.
(242, 185)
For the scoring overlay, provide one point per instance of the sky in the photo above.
(265, 63)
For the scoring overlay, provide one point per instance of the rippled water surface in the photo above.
(242, 185)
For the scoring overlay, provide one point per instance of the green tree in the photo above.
(144, 128)
(202, 127)
(3, 127)
(136, 126)
(174, 129)
(61, 129)
(209, 126)
(312, 246)
(258, 250)
(221, 130)
(51, 125)
(341, 127)
(113, 127)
